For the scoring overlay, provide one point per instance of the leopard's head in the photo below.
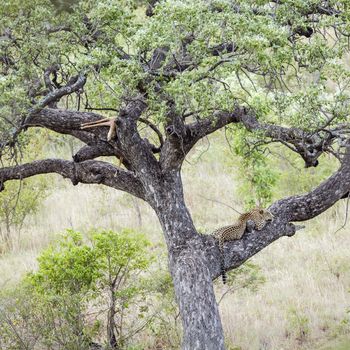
(262, 216)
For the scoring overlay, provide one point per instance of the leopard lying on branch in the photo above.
(259, 216)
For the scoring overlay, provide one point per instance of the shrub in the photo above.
(82, 291)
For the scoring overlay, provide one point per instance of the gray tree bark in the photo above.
(188, 266)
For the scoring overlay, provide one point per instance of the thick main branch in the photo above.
(286, 210)
(309, 145)
(88, 172)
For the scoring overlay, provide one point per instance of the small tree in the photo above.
(122, 260)
(105, 274)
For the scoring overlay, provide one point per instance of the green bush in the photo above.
(82, 290)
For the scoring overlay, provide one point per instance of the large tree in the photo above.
(171, 73)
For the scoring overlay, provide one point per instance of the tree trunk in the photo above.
(112, 340)
(194, 291)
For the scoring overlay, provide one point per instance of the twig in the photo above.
(346, 214)
(222, 203)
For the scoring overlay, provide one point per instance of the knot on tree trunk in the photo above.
(290, 230)
(77, 158)
(171, 131)
(74, 178)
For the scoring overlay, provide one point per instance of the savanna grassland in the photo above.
(295, 294)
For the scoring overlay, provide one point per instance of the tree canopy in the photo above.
(284, 61)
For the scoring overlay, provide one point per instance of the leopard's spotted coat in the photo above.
(231, 232)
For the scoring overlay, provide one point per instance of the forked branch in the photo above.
(75, 84)
(309, 145)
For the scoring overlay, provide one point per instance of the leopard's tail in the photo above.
(223, 271)
(222, 262)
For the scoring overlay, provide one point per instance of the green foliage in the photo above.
(266, 67)
(29, 320)
(165, 327)
(105, 271)
(256, 175)
(70, 267)
(17, 202)
(126, 250)
(295, 83)
(300, 83)
(74, 267)
(80, 283)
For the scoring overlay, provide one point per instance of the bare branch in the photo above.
(222, 203)
(88, 172)
(138, 151)
(204, 127)
(142, 120)
(75, 84)
(309, 145)
(128, 145)
(305, 207)
(91, 152)
(154, 128)
(173, 151)
(68, 122)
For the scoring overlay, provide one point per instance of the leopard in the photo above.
(259, 216)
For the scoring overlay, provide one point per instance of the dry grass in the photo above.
(306, 295)
(305, 298)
